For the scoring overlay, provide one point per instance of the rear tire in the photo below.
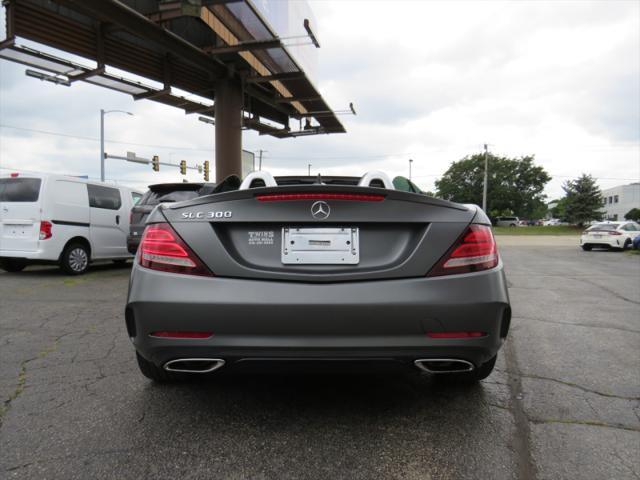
(479, 373)
(12, 264)
(627, 244)
(151, 371)
(587, 248)
(75, 259)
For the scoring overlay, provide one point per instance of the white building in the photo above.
(617, 201)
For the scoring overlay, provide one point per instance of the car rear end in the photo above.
(602, 235)
(160, 193)
(317, 272)
(21, 228)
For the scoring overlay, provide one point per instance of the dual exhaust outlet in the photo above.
(194, 365)
(444, 365)
(208, 365)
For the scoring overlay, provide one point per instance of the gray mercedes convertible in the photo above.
(317, 270)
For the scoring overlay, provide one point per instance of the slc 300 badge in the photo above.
(196, 215)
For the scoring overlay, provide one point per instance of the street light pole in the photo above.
(101, 145)
(486, 174)
(102, 114)
(410, 162)
(309, 169)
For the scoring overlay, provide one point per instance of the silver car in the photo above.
(309, 270)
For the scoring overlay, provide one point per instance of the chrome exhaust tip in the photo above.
(194, 365)
(444, 365)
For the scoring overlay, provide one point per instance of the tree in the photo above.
(633, 214)
(514, 188)
(560, 210)
(583, 200)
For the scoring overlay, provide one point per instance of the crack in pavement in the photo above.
(586, 325)
(608, 290)
(522, 437)
(22, 375)
(590, 423)
(573, 385)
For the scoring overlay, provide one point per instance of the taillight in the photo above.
(45, 230)
(180, 334)
(456, 334)
(284, 197)
(161, 248)
(474, 251)
(614, 232)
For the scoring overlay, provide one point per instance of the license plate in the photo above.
(597, 236)
(320, 246)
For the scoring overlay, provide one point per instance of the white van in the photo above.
(66, 220)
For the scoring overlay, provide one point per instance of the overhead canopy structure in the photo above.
(222, 54)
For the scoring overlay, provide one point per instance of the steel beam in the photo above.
(276, 76)
(297, 99)
(243, 47)
(228, 128)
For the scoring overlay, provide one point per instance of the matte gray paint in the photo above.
(379, 309)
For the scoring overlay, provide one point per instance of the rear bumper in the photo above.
(133, 241)
(254, 319)
(45, 253)
(606, 240)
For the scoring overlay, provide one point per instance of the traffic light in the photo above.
(155, 162)
(183, 167)
(206, 170)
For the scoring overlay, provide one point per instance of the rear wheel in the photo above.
(12, 264)
(477, 374)
(627, 244)
(586, 247)
(75, 259)
(151, 371)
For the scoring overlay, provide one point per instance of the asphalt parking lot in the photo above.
(563, 403)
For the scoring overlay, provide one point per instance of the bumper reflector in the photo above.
(165, 334)
(456, 334)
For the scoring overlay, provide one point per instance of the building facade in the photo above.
(617, 201)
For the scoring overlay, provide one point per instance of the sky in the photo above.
(431, 81)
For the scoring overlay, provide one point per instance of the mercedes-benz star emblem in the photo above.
(320, 210)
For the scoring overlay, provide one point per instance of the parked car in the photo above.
(161, 193)
(553, 221)
(60, 219)
(507, 221)
(611, 235)
(338, 268)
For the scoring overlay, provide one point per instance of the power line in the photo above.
(92, 139)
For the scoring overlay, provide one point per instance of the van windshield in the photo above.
(19, 189)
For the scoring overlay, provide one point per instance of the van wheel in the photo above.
(75, 259)
(12, 264)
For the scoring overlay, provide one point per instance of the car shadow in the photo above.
(41, 271)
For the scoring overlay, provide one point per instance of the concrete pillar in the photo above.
(228, 114)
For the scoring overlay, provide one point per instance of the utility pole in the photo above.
(486, 175)
(260, 159)
(410, 162)
(102, 157)
(309, 169)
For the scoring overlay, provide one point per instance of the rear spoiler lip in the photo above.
(396, 195)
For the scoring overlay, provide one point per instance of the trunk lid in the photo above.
(238, 234)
